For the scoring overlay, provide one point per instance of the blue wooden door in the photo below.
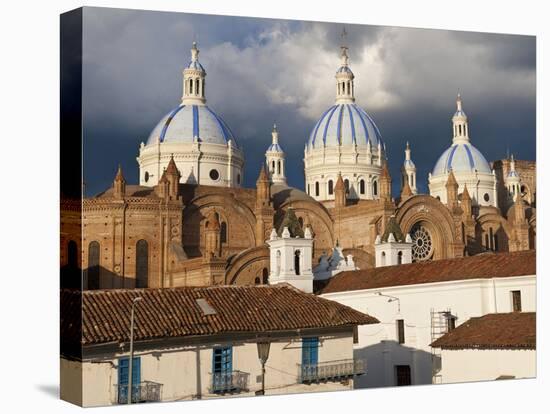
(123, 372)
(310, 358)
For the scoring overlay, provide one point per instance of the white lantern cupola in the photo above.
(513, 181)
(460, 124)
(345, 92)
(408, 170)
(275, 159)
(194, 80)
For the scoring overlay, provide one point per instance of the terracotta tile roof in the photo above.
(515, 330)
(482, 266)
(175, 312)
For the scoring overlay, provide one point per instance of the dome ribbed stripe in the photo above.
(224, 129)
(339, 126)
(352, 125)
(378, 134)
(450, 159)
(168, 120)
(314, 133)
(470, 157)
(367, 136)
(195, 121)
(328, 123)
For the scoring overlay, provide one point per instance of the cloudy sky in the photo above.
(262, 70)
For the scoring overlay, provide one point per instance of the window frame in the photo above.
(400, 330)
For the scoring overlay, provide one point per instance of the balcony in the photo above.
(330, 371)
(146, 391)
(233, 382)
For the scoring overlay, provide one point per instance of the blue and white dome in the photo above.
(461, 157)
(345, 124)
(186, 122)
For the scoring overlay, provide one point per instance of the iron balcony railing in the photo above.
(232, 382)
(146, 391)
(330, 370)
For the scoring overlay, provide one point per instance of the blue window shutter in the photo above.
(136, 371)
(229, 362)
(310, 352)
(123, 371)
(222, 359)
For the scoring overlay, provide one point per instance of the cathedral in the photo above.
(190, 222)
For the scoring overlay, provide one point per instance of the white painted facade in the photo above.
(413, 304)
(290, 259)
(392, 252)
(184, 368)
(463, 365)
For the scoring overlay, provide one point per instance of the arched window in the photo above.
(297, 262)
(257, 281)
(491, 238)
(72, 254)
(273, 166)
(93, 265)
(317, 189)
(196, 86)
(486, 241)
(307, 188)
(223, 232)
(362, 186)
(190, 86)
(375, 188)
(346, 184)
(383, 258)
(278, 167)
(265, 276)
(399, 258)
(278, 263)
(330, 187)
(142, 264)
(202, 87)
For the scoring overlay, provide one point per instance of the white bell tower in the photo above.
(393, 248)
(513, 181)
(290, 255)
(275, 159)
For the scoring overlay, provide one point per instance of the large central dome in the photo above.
(187, 122)
(200, 143)
(345, 141)
(345, 124)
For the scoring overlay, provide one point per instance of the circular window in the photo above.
(486, 196)
(214, 175)
(146, 176)
(422, 248)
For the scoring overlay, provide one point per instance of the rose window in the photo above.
(422, 248)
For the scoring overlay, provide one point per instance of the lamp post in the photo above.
(263, 355)
(131, 362)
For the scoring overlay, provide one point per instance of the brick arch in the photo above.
(320, 221)
(239, 217)
(244, 267)
(494, 226)
(436, 218)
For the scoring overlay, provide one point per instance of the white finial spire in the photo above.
(194, 52)
(408, 152)
(345, 89)
(275, 135)
(458, 102)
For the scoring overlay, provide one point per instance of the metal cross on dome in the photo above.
(344, 36)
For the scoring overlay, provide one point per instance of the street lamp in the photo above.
(263, 355)
(131, 362)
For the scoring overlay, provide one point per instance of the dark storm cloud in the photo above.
(262, 70)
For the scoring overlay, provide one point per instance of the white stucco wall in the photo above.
(185, 371)
(464, 365)
(465, 299)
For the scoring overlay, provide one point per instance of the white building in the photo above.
(392, 248)
(417, 303)
(204, 148)
(494, 346)
(345, 140)
(468, 165)
(192, 343)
